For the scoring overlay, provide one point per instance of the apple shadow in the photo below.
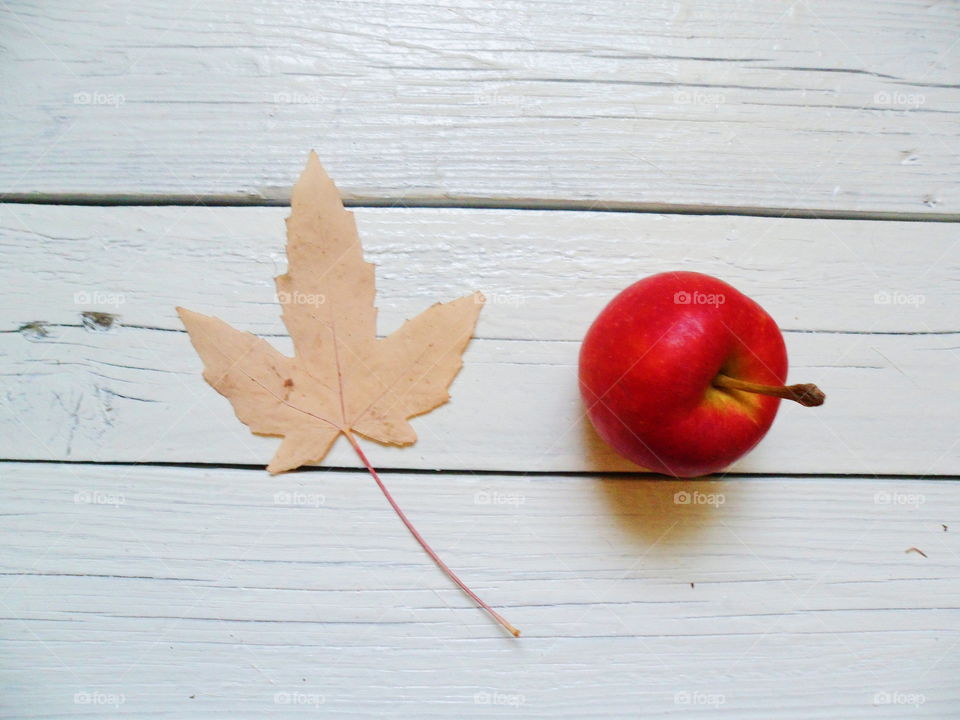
(650, 508)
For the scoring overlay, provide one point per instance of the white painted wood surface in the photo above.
(804, 106)
(135, 393)
(792, 589)
(215, 593)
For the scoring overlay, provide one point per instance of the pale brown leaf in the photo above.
(342, 377)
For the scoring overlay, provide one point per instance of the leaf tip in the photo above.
(276, 468)
(184, 314)
(315, 168)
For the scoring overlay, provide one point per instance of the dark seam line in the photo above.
(107, 200)
(600, 474)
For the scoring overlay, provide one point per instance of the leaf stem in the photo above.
(423, 543)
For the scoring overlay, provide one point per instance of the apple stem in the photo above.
(807, 394)
(423, 543)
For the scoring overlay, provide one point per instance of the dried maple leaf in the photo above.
(342, 379)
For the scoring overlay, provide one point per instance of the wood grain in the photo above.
(134, 392)
(808, 108)
(819, 582)
(228, 592)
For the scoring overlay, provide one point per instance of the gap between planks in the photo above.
(599, 474)
(380, 336)
(414, 202)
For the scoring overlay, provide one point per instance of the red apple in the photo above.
(683, 374)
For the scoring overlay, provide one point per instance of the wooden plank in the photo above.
(546, 274)
(134, 393)
(189, 591)
(137, 396)
(806, 107)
